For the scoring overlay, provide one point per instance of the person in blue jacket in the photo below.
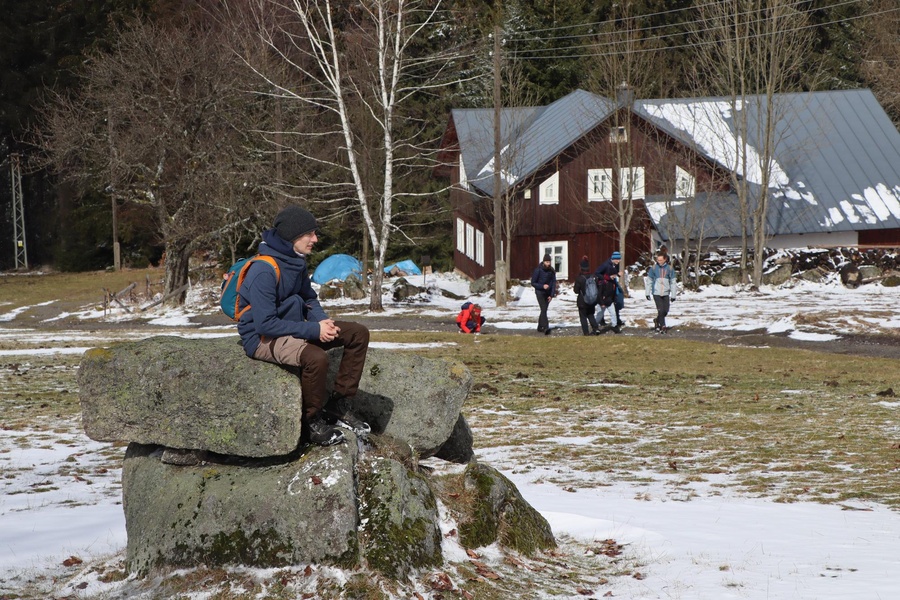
(662, 288)
(543, 280)
(286, 325)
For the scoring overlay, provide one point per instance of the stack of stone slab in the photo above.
(259, 498)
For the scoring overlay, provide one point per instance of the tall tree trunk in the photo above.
(178, 256)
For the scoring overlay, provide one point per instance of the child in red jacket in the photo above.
(469, 319)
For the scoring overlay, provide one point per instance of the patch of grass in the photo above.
(73, 289)
(781, 423)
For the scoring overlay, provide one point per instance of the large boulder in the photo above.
(780, 274)
(207, 395)
(307, 508)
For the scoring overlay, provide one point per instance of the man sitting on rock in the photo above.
(286, 325)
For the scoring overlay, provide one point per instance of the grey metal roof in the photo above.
(533, 136)
(837, 157)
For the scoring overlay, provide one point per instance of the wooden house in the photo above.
(572, 169)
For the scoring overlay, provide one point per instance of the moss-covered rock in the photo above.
(257, 513)
(497, 512)
(399, 518)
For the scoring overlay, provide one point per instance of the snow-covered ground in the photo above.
(713, 547)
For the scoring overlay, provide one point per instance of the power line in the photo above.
(609, 21)
(697, 22)
(523, 55)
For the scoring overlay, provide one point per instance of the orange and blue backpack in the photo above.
(234, 278)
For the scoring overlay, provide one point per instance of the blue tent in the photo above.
(407, 266)
(337, 266)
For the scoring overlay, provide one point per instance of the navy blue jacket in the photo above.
(607, 268)
(543, 276)
(290, 307)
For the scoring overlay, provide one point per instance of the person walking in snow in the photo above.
(586, 300)
(543, 280)
(286, 325)
(660, 285)
(607, 291)
(610, 269)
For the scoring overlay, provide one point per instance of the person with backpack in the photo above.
(469, 319)
(282, 322)
(611, 269)
(606, 292)
(543, 280)
(586, 298)
(660, 285)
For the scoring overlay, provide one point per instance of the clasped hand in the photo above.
(328, 331)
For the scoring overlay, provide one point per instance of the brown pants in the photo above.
(310, 356)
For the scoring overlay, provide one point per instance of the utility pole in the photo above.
(18, 213)
(117, 252)
(500, 267)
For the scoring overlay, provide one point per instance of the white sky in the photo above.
(710, 547)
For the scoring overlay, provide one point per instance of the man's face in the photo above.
(546, 263)
(304, 244)
(616, 261)
(661, 260)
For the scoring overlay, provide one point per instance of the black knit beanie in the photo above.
(293, 221)
(585, 265)
(546, 258)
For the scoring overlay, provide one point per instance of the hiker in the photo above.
(286, 325)
(611, 269)
(660, 284)
(607, 289)
(469, 319)
(543, 280)
(586, 299)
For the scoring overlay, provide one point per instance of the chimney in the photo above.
(624, 95)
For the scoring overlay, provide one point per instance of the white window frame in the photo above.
(618, 135)
(549, 190)
(460, 235)
(470, 241)
(603, 192)
(631, 183)
(559, 256)
(479, 247)
(685, 183)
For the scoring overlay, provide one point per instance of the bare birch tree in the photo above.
(360, 64)
(750, 51)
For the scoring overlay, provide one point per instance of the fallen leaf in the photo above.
(308, 571)
(608, 594)
(441, 581)
(451, 533)
(72, 561)
(467, 595)
(584, 591)
(472, 554)
(638, 576)
(82, 585)
(316, 480)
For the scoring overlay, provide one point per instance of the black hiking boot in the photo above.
(617, 329)
(323, 434)
(337, 411)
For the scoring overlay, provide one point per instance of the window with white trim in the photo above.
(685, 184)
(618, 135)
(460, 235)
(559, 257)
(549, 191)
(470, 241)
(599, 185)
(631, 182)
(479, 247)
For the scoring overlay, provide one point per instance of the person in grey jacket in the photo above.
(661, 286)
